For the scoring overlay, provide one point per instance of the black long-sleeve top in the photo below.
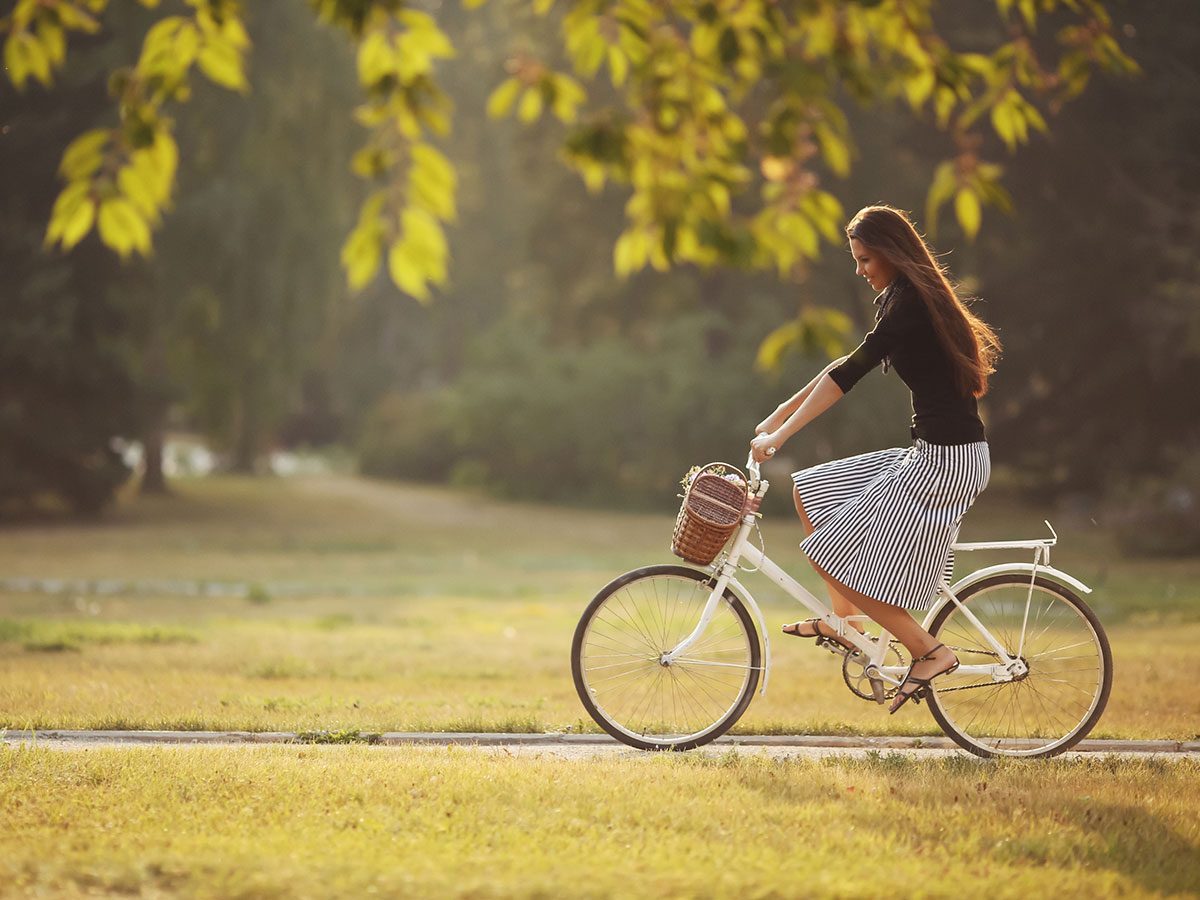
(904, 339)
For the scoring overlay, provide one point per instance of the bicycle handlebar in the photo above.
(753, 471)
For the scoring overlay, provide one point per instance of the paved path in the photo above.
(577, 746)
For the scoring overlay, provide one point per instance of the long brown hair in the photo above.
(969, 342)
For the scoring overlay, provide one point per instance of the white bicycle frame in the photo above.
(724, 570)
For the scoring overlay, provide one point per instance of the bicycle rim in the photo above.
(618, 669)
(1056, 703)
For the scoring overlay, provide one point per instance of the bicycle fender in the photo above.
(1026, 569)
(1023, 569)
(747, 598)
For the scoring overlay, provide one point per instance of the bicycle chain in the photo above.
(969, 687)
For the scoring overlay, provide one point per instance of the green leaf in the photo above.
(967, 209)
(502, 98)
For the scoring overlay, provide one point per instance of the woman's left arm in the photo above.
(823, 396)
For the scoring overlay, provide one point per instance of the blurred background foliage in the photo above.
(537, 373)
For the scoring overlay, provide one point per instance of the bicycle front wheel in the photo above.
(617, 660)
(1063, 694)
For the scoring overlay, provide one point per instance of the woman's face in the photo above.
(871, 266)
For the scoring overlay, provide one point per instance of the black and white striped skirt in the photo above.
(884, 521)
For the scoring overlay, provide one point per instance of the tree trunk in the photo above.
(153, 479)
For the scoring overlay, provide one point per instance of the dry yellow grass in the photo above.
(390, 607)
(347, 821)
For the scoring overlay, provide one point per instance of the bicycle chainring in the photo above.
(854, 672)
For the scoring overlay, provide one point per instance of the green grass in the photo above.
(265, 822)
(380, 607)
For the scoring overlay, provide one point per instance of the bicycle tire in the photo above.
(654, 627)
(1060, 711)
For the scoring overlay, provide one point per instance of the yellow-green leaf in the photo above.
(530, 107)
(25, 57)
(618, 65)
(133, 184)
(84, 154)
(1005, 121)
(76, 227)
(917, 88)
(630, 253)
(406, 272)
(967, 209)
(53, 40)
(941, 189)
(222, 64)
(361, 255)
(65, 206)
(771, 351)
(502, 98)
(375, 59)
(834, 149)
(122, 228)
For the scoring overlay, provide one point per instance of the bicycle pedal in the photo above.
(832, 646)
(877, 690)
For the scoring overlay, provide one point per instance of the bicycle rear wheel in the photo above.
(1056, 703)
(616, 660)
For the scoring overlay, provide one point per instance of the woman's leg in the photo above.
(900, 623)
(842, 606)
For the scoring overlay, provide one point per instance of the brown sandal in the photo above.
(831, 640)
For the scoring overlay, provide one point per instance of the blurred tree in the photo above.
(1097, 295)
(261, 195)
(66, 394)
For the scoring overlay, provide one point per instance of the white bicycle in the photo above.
(668, 657)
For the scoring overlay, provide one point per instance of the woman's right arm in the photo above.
(785, 410)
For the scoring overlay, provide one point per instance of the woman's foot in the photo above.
(816, 628)
(938, 661)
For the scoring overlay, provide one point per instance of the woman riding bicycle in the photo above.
(880, 525)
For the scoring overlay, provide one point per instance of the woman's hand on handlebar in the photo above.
(764, 446)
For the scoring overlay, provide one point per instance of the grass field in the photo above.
(349, 821)
(335, 603)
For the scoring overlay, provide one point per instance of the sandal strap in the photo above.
(929, 654)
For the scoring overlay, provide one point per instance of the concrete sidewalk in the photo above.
(67, 739)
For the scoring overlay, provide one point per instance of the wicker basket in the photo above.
(712, 507)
